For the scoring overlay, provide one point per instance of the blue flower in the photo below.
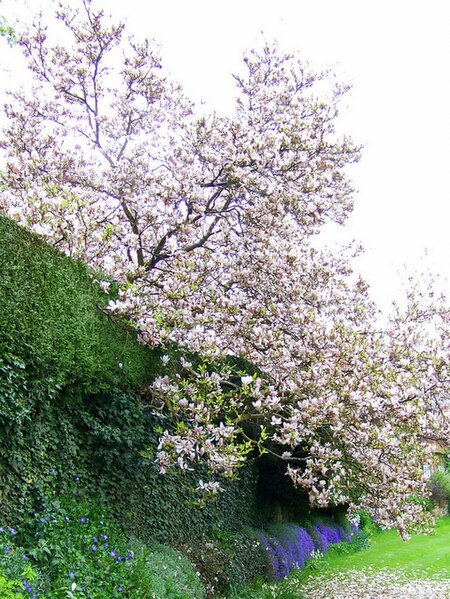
(94, 547)
(94, 539)
(113, 553)
(119, 589)
(66, 519)
(7, 549)
(27, 585)
(76, 479)
(83, 520)
(71, 574)
(12, 532)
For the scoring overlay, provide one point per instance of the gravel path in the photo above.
(367, 584)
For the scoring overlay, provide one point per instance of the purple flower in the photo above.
(27, 585)
(83, 520)
(320, 540)
(12, 532)
(76, 479)
(71, 574)
(273, 559)
(94, 547)
(7, 549)
(113, 553)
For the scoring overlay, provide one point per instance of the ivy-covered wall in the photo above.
(72, 403)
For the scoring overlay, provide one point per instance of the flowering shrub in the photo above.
(326, 535)
(290, 546)
(17, 576)
(207, 224)
(72, 549)
(80, 551)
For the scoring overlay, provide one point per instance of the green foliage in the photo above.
(73, 542)
(227, 559)
(67, 409)
(18, 577)
(440, 486)
(427, 503)
(446, 461)
(51, 319)
(367, 524)
(160, 571)
(8, 32)
(100, 438)
(360, 541)
(79, 551)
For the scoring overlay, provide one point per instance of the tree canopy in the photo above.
(207, 223)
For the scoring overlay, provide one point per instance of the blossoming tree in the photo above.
(206, 222)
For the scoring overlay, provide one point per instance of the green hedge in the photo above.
(51, 319)
(72, 404)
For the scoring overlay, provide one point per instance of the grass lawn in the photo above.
(422, 553)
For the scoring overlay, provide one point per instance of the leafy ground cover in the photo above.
(74, 549)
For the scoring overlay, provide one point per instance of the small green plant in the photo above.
(160, 571)
(366, 523)
(79, 549)
(82, 553)
(18, 578)
(359, 542)
(8, 32)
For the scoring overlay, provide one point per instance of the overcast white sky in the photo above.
(395, 53)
